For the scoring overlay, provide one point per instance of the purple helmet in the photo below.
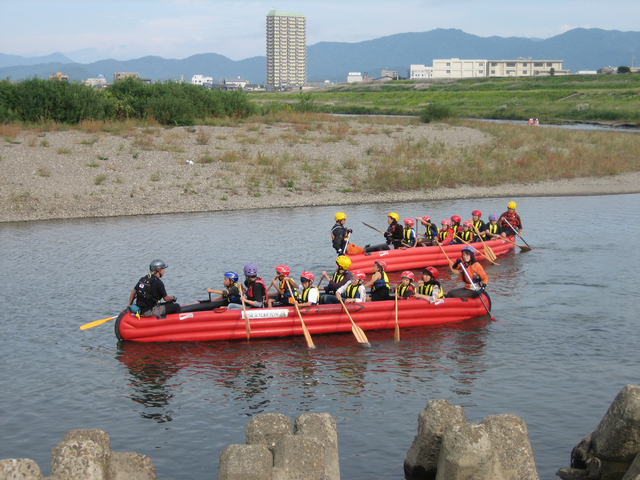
(493, 217)
(250, 270)
(469, 249)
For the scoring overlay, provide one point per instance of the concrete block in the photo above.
(245, 462)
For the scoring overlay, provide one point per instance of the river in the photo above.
(565, 341)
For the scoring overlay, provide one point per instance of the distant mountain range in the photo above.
(581, 49)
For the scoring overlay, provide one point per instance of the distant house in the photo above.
(525, 68)
(122, 75)
(98, 82)
(456, 68)
(252, 87)
(418, 72)
(354, 77)
(201, 80)
(59, 76)
(239, 83)
(389, 73)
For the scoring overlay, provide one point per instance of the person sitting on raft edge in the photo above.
(395, 232)
(231, 292)
(379, 282)
(339, 278)
(354, 292)
(149, 291)
(474, 270)
(255, 291)
(308, 295)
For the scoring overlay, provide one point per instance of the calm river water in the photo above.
(566, 340)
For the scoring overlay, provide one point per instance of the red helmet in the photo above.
(283, 269)
(382, 264)
(433, 271)
(468, 223)
(426, 218)
(446, 221)
(360, 274)
(407, 274)
(477, 213)
(455, 219)
(307, 276)
(408, 221)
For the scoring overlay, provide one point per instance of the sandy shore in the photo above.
(73, 174)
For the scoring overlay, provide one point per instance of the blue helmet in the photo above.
(250, 270)
(232, 275)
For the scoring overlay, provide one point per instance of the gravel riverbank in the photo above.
(155, 170)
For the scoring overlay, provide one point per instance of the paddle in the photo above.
(357, 331)
(307, 335)
(476, 290)
(518, 235)
(396, 333)
(244, 309)
(522, 247)
(448, 259)
(370, 226)
(467, 243)
(490, 255)
(96, 323)
(346, 243)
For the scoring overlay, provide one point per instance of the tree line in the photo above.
(169, 103)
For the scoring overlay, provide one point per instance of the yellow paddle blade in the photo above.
(95, 324)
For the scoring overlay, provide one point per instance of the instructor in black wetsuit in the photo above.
(149, 291)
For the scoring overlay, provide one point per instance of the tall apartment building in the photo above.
(286, 49)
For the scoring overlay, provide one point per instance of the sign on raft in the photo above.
(277, 313)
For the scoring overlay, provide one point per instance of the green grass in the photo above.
(551, 99)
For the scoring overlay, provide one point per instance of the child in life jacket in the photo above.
(429, 288)
(281, 280)
(354, 292)
(466, 234)
(469, 269)
(230, 294)
(254, 291)
(429, 237)
(445, 235)
(407, 288)
(493, 230)
(409, 235)
(308, 295)
(379, 282)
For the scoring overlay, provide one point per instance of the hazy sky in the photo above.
(125, 29)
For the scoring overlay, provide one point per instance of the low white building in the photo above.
(354, 77)
(201, 80)
(417, 72)
(525, 68)
(239, 83)
(456, 68)
(98, 82)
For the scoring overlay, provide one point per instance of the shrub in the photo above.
(435, 111)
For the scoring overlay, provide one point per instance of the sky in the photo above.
(123, 30)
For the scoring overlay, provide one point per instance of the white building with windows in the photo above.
(456, 68)
(417, 72)
(286, 49)
(201, 79)
(525, 68)
(354, 77)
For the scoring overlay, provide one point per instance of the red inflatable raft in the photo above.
(223, 324)
(420, 257)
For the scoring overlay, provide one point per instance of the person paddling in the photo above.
(255, 291)
(429, 236)
(149, 291)
(308, 295)
(406, 289)
(339, 278)
(493, 230)
(280, 282)
(429, 288)
(476, 219)
(409, 235)
(511, 222)
(354, 292)
(475, 271)
(466, 234)
(445, 235)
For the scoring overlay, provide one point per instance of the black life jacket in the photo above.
(144, 295)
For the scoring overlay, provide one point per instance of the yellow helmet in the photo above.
(343, 262)
(340, 216)
(395, 216)
(512, 205)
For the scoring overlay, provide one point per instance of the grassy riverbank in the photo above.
(109, 168)
(609, 98)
